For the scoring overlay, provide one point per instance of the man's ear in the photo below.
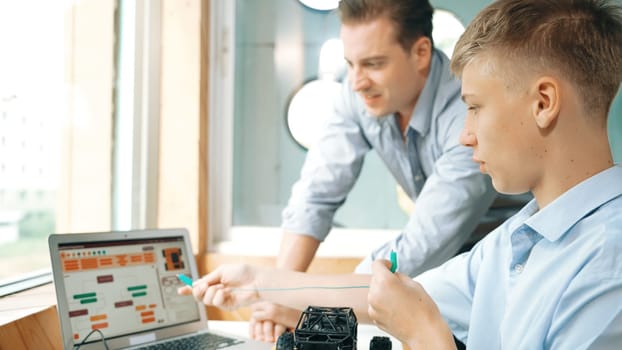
(422, 50)
(547, 102)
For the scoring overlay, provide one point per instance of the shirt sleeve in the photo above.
(452, 287)
(589, 315)
(452, 201)
(329, 172)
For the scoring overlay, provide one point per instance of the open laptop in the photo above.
(124, 284)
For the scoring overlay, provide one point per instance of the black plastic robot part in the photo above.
(380, 343)
(327, 328)
(285, 341)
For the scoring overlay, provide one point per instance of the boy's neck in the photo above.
(572, 156)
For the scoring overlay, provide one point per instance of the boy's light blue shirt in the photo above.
(545, 279)
(432, 167)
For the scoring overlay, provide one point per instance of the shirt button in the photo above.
(518, 268)
(418, 178)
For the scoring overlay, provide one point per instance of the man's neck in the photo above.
(402, 123)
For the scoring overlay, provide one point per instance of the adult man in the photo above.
(537, 76)
(401, 101)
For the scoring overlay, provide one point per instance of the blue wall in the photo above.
(615, 128)
(277, 45)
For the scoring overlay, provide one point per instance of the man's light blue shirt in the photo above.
(432, 167)
(545, 279)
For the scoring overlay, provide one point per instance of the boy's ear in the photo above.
(547, 104)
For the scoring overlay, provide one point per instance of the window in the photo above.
(31, 97)
(55, 107)
(112, 63)
(274, 48)
(321, 5)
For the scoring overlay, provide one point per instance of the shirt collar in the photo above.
(560, 215)
(420, 118)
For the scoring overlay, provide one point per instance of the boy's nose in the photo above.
(467, 138)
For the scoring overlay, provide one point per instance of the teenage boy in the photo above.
(538, 78)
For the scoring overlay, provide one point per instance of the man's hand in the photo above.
(268, 321)
(227, 287)
(401, 307)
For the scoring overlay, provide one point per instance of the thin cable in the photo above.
(294, 288)
(103, 339)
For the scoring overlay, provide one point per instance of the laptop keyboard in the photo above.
(203, 341)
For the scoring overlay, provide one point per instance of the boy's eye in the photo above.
(472, 110)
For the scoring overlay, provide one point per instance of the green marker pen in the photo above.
(393, 261)
(185, 279)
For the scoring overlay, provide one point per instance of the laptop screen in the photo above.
(125, 286)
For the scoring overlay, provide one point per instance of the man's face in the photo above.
(500, 128)
(388, 78)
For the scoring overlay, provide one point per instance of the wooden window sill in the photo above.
(28, 320)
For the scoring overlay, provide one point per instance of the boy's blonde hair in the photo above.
(580, 40)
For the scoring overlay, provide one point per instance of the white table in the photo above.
(365, 332)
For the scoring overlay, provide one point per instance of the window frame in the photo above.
(220, 130)
(137, 115)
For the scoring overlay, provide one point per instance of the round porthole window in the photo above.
(447, 31)
(312, 103)
(321, 5)
(308, 110)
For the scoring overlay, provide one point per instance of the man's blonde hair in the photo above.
(580, 40)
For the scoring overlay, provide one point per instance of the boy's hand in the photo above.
(390, 295)
(401, 307)
(228, 287)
